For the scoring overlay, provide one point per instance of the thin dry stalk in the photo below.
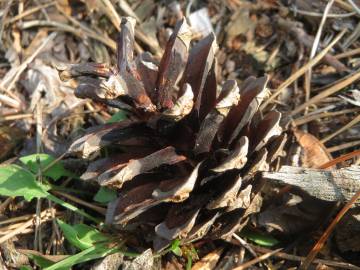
(340, 159)
(96, 208)
(28, 12)
(314, 48)
(343, 146)
(9, 82)
(302, 70)
(344, 128)
(295, 258)
(331, 90)
(44, 215)
(257, 260)
(310, 117)
(320, 243)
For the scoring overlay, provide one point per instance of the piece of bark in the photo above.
(336, 185)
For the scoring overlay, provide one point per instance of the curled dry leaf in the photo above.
(315, 153)
(180, 162)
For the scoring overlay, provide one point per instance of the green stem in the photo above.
(72, 208)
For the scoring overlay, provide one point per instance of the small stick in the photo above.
(258, 259)
(81, 202)
(302, 70)
(320, 243)
(331, 90)
(344, 128)
(343, 146)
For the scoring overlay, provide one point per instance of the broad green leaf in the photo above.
(81, 236)
(90, 235)
(42, 262)
(55, 172)
(105, 195)
(91, 253)
(258, 238)
(16, 181)
(117, 117)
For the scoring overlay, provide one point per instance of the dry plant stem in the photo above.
(89, 32)
(245, 244)
(314, 48)
(327, 92)
(258, 259)
(5, 204)
(38, 117)
(8, 84)
(4, 15)
(28, 12)
(16, 117)
(96, 208)
(302, 70)
(310, 117)
(290, 257)
(15, 219)
(344, 128)
(43, 215)
(348, 53)
(343, 146)
(318, 246)
(340, 159)
(66, 28)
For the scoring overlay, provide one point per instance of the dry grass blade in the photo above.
(290, 257)
(315, 250)
(344, 128)
(302, 70)
(258, 259)
(327, 92)
(340, 159)
(343, 146)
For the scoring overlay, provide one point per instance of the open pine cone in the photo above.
(185, 159)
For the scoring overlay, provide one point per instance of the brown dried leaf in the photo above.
(315, 153)
(209, 261)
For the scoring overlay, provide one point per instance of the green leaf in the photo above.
(105, 195)
(117, 117)
(55, 172)
(16, 181)
(175, 247)
(258, 238)
(43, 262)
(82, 236)
(91, 253)
(25, 267)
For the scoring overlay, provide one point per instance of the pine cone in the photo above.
(185, 159)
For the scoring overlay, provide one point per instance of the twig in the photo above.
(28, 12)
(310, 117)
(340, 159)
(314, 48)
(291, 257)
(343, 146)
(327, 92)
(344, 128)
(258, 259)
(320, 243)
(81, 202)
(302, 70)
(8, 83)
(27, 224)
